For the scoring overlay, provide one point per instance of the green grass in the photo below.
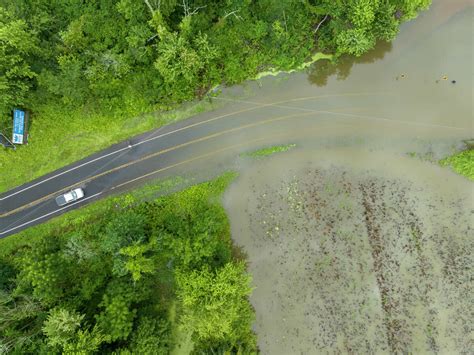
(462, 163)
(58, 138)
(269, 151)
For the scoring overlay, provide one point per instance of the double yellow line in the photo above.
(275, 104)
(149, 156)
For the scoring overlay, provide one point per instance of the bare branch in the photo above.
(151, 38)
(187, 10)
(147, 2)
(234, 13)
(197, 9)
(319, 24)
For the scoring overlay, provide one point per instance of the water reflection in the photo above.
(341, 68)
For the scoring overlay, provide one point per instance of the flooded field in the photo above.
(358, 242)
(348, 257)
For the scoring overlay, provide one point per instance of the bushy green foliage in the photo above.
(152, 337)
(44, 269)
(85, 342)
(137, 263)
(105, 281)
(356, 25)
(117, 317)
(215, 305)
(462, 163)
(17, 44)
(61, 326)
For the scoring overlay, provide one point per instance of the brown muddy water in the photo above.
(354, 245)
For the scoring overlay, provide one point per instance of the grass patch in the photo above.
(462, 163)
(269, 151)
(427, 156)
(56, 141)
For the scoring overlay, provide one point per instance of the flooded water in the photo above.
(358, 242)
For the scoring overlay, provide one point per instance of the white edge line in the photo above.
(109, 154)
(198, 123)
(139, 143)
(62, 173)
(49, 214)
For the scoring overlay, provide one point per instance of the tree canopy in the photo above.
(84, 294)
(152, 54)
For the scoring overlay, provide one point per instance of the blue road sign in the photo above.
(18, 126)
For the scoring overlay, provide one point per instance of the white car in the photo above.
(70, 196)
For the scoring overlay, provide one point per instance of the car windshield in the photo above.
(74, 195)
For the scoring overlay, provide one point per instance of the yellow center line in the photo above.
(46, 197)
(214, 152)
(258, 106)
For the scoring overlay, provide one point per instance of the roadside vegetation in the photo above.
(462, 163)
(125, 276)
(88, 70)
(269, 151)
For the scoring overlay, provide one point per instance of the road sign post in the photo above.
(20, 124)
(6, 142)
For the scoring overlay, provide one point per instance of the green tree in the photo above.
(20, 320)
(152, 336)
(408, 9)
(17, 44)
(61, 326)
(354, 41)
(123, 229)
(215, 304)
(45, 269)
(183, 62)
(116, 318)
(85, 342)
(136, 263)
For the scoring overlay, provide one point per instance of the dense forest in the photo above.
(134, 56)
(129, 277)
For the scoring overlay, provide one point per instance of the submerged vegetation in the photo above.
(269, 151)
(124, 276)
(350, 260)
(86, 69)
(462, 163)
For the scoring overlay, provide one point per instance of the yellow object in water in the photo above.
(445, 77)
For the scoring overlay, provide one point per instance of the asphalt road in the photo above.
(214, 136)
(277, 111)
(210, 138)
